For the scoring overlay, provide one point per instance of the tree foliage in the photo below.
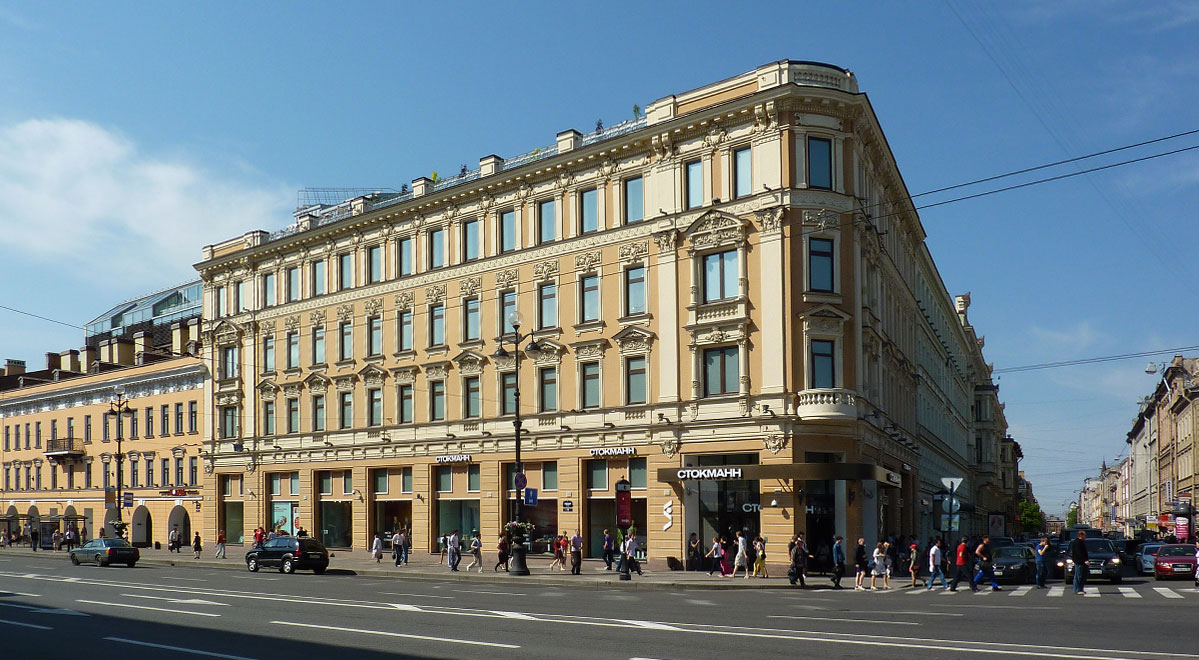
(1032, 519)
(1072, 518)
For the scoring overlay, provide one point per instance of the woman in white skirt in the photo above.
(880, 567)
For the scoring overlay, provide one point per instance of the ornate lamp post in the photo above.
(517, 565)
(118, 407)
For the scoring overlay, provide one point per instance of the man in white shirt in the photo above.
(455, 553)
(934, 566)
(630, 552)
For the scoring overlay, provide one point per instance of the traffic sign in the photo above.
(568, 506)
(952, 483)
(127, 499)
(110, 498)
(951, 505)
(521, 481)
(530, 497)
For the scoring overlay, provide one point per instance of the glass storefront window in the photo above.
(445, 478)
(549, 476)
(728, 506)
(462, 515)
(597, 474)
(337, 524)
(233, 521)
(637, 472)
(391, 517)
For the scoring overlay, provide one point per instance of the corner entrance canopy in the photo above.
(784, 471)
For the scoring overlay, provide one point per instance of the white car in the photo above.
(1145, 558)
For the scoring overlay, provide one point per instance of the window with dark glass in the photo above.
(193, 414)
(292, 275)
(508, 231)
(507, 306)
(549, 475)
(345, 271)
(374, 338)
(695, 184)
(178, 418)
(405, 404)
(293, 350)
(436, 325)
(405, 256)
(318, 412)
(720, 371)
(742, 173)
(820, 163)
(634, 200)
(164, 419)
(473, 397)
(268, 418)
(508, 393)
(824, 373)
(820, 264)
(347, 410)
(346, 348)
(445, 478)
(547, 383)
(590, 374)
(436, 248)
(228, 422)
(229, 366)
(635, 390)
(374, 264)
(318, 345)
(470, 240)
(268, 358)
(405, 339)
(589, 309)
(547, 222)
(470, 319)
(597, 474)
(374, 409)
(293, 415)
(634, 290)
(547, 306)
(720, 276)
(474, 478)
(588, 211)
(436, 400)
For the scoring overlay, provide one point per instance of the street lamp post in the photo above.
(117, 408)
(517, 566)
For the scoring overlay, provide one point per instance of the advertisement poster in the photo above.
(995, 525)
(281, 516)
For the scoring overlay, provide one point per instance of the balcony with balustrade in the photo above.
(830, 403)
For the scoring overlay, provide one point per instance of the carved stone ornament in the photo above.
(404, 300)
(292, 390)
(592, 350)
(667, 241)
(226, 334)
(317, 384)
(694, 410)
(292, 322)
(485, 201)
(670, 445)
(268, 390)
(523, 192)
(470, 363)
(344, 383)
(437, 371)
(634, 251)
(373, 306)
(228, 398)
(771, 219)
(251, 465)
(267, 327)
(587, 260)
(774, 442)
(506, 278)
(716, 336)
(545, 270)
(435, 294)
(716, 229)
(822, 219)
(372, 376)
(564, 180)
(633, 340)
(715, 136)
(506, 363)
(470, 286)
(317, 317)
(404, 374)
(547, 353)
(607, 168)
(208, 466)
(345, 312)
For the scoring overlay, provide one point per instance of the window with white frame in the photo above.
(720, 275)
(589, 298)
(472, 398)
(470, 240)
(589, 390)
(634, 290)
(824, 371)
(634, 200)
(547, 306)
(374, 337)
(404, 405)
(820, 163)
(507, 231)
(318, 345)
(821, 262)
(436, 325)
(694, 184)
(405, 256)
(436, 400)
(589, 211)
(405, 330)
(345, 271)
(721, 371)
(547, 222)
(436, 248)
(470, 319)
(635, 380)
(547, 387)
(374, 264)
(742, 173)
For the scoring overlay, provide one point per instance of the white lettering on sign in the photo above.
(454, 458)
(750, 507)
(710, 473)
(668, 513)
(614, 451)
(894, 478)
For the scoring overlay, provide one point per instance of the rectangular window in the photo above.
(193, 465)
(470, 240)
(164, 419)
(318, 412)
(179, 472)
(436, 248)
(178, 419)
(720, 371)
(222, 307)
(318, 345)
(149, 416)
(133, 427)
(474, 478)
(292, 275)
(742, 173)
(695, 184)
(374, 264)
(318, 277)
(268, 289)
(507, 231)
(293, 415)
(87, 429)
(820, 264)
(374, 413)
(229, 366)
(437, 325)
(324, 482)
(268, 417)
(149, 472)
(134, 478)
(293, 350)
(54, 429)
(406, 480)
(7, 437)
(294, 480)
(638, 473)
(243, 299)
(824, 372)
(436, 400)
(193, 416)
(547, 222)
(347, 482)
(589, 303)
(405, 330)
(472, 397)
(346, 346)
(547, 380)
(547, 306)
(508, 393)
(380, 481)
(635, 380)
(590, 374)
(597, 474)
(268, 358)
(276, 484)
(345, 271)
(165, 465)
(634, 200)
(589, 211)
(347, 410)
(634, 290)
(549, 475)
(229, 422)
(720, 276)
(507, 306)
(374, 339)
(445, 478)
(405, 404)
(470, 319)
(405, 256)
(820, 163)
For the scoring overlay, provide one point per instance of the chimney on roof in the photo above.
(142, 345)
(568, 140)
(14, 367)
(53, 361)
(422, 186)
(69, 360)
(489, 165)
(89, 355)
(122, 352)
(179, 335)
(105, 354)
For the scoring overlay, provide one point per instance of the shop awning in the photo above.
(784, 472)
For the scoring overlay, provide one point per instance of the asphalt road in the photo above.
(51, 609)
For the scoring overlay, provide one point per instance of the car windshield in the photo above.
(115, 543)
(1009, 552)
(1176, 551)
(1151, 550)
(1099, 545)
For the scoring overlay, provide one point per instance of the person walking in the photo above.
(445, 548)
(879, 568)
(609, 549)
(760, 557)
(889, 563)
(861, 564)
(961, 567)
(196, 547)
(377, 547)
(629, 553)
(502, 550)
(838, 561)
(397, 542)
(259, 533)
(799, 563)
(173, 539)
(576, 553)
(1078, 553)
(714, 554)
(693, 552)
(1042, 553)
(934, 566)
(454, 551)
(741, 560)
(220, 544)
(476, 553)
(914, 562)
(986, 569)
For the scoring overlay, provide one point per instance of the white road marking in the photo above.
(394, 593)
(493, 593)
(982, 592)
(914, 613)
(515, 615)
(1055, 592)
(25, 625)
(6, 594)
(702, 603)
(1092, 593)
(42, 610)
(388, 633)
(180, 649)
(143, 607)
(829, 618)
(1167, 592)
(652, 625)
(1021, 591)
(1129, 592)
(178, 601)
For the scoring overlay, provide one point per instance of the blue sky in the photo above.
(133, 134)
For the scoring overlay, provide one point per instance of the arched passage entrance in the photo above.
(12, 522)
(141, 531)
(110, 516)
(179, 519)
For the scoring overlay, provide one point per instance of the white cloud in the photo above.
(87, 199)
(1080, 336)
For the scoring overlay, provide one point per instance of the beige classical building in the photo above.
(59, 452)
(722, 297)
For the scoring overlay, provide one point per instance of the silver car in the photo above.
(1145, 558)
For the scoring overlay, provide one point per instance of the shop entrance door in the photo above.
(392, 516)
(727, 507)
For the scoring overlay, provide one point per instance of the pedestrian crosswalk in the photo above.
(1092, 591)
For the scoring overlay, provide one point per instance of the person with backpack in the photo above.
(476, 553)
(760, 557)
(799, 563)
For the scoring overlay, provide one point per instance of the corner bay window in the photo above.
(820, 264)
(720, 371)
(820, 163)
(720, 276)
(824, 372)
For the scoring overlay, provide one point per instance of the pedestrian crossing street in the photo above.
(1058, 591)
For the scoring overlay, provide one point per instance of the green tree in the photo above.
(1032, 519)
(1072, 518)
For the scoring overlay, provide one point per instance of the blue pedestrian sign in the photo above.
(530, 497)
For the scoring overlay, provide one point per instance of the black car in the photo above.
(105, 552)
(1015, 563)
(1103, 561)
(289, 553)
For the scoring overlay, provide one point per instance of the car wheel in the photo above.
(252, 564)
(288, 566)
(99, 561)
(131, 564)
(74, 559)
(320, 570)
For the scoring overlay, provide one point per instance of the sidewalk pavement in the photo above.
(426, 567)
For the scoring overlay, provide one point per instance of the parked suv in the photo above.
(1104, 561)
(288, 553)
